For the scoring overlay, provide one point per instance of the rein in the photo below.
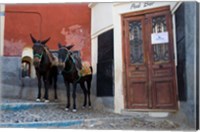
(71, 67)
(49, 55)
(70, 70)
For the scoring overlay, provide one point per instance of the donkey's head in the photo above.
(63, 54)
(38, 50)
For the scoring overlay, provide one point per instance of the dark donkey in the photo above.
(71, 75)
(43, 60)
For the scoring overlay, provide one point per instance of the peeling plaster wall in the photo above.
(65, 23)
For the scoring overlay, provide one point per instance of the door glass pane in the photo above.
(160, 51)
(135, 41)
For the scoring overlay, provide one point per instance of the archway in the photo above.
(26, 61)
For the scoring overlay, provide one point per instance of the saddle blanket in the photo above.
(85, 69)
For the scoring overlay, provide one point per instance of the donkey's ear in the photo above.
(33, 39)
(45, 41)
(69, 47)
(59, 45)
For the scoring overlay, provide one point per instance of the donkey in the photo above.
(42, 62)
(68, 66)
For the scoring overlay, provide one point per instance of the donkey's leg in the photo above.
(46, 85)
(88, 90)
(74, 97)
(55, 87)
(85, 93)
(68, 95)
(39, 88)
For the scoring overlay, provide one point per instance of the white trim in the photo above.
(94, 59)
(96, 34)
(122, 3)
(176, 7)
(91, 5)
(174, 29)
(2, 22)
(174, 38)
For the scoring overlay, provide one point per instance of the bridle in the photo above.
(66, 59)
(71, 67)
(39, 56)
(67, 55)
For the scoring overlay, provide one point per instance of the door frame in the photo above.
(135, 14)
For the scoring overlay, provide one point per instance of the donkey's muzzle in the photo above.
(61, 66)
(36, 62)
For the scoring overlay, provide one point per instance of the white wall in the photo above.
(118, 10)
(101, 18)
(101, 22)
(94, 63)
(2, 19)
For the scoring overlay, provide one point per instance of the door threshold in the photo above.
(149, 110)
(155, 113)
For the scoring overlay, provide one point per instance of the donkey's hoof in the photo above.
(66, 109)
(74, 110)
(56, 100)
(90, 107)
(46, 101)
(37, 100)
(83, 107)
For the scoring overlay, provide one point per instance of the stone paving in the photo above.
(90, 118)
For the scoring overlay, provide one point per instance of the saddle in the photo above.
(85, 69)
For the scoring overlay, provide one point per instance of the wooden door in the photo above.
(150, 69)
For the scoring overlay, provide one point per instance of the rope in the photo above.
(79, 77)
(71, 68)
(51, 58)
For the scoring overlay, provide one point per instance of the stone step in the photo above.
(48, 124)
(17, 113)
(17, 106)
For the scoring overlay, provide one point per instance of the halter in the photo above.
(65, 60)
(39, 55)
(47, 52)
(67, 56)
(71, 68)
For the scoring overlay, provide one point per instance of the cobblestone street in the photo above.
(52, 115)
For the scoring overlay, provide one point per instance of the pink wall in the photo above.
(65, 23)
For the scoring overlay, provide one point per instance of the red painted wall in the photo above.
(65, 23)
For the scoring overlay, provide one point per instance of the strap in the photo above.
(51, 58)
(71, 68)
(79, 77)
